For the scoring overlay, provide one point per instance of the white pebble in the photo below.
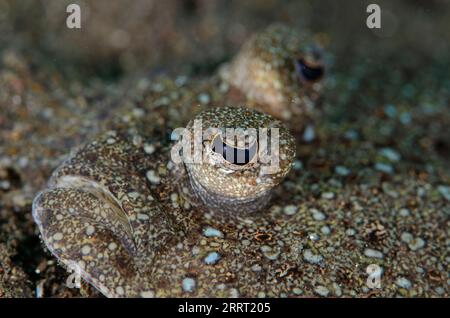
(58, 236)
(152, 177)
(212, 232)
(403, 283)
(309, 134)
(312, 258)
(313, 237)
(444, 191)
(112, 246)
(86, 249)
(342, 171)
(322, 291)
(90, 230)
(188, 284)
(149, 148)
(148, 294)
(416, 244)
(404, 212)
(325, 230)
(383, 167)
(212, 258)
(406, 237)
(318, 215)
(328, 195)
(373, 253)
(120, 290)
(204, 98)
(390, 154)
(290, 209)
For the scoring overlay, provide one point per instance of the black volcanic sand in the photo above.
(374, 174)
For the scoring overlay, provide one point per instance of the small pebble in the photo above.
(383, 167)
(404, 212)
(351, 135)
(440, 290)
(342, 171)
(350, 232)
(195, 250)
(212, 258)
(312, 258)
(256, 268)
(152, 177)
(328, 195)
(322, 291)
(406, 237)
(148, 294)
(337, 290)
(269, 253)
(188, 284)
(405, 118)
(204, 98)
(313, 237)
(5, 185)
(416, 244)
(246, 242)
(234, 293)
(290, 209)
(390, 111)
(149, 149)
(297, 291)
(403, 283)
(325, 230)
(373, 253)
(212, 232)
(90, 230)
(298, 165)
(181, 80)
(309, 134)
(390, 154)
(318, 215)
(444, 191)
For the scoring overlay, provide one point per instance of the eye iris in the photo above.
(307, 72)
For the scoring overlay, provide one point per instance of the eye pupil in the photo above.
(234, 155)
(308, 72)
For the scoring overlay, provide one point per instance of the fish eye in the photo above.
(234, 155)
(308, 72)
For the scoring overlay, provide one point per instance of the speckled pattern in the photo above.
(100, 197)
(369, 185)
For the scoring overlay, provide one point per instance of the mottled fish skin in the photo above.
(127, 232)
(99, 213)
(266, 71)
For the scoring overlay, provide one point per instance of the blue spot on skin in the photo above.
(212, 232)
(212, 258)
